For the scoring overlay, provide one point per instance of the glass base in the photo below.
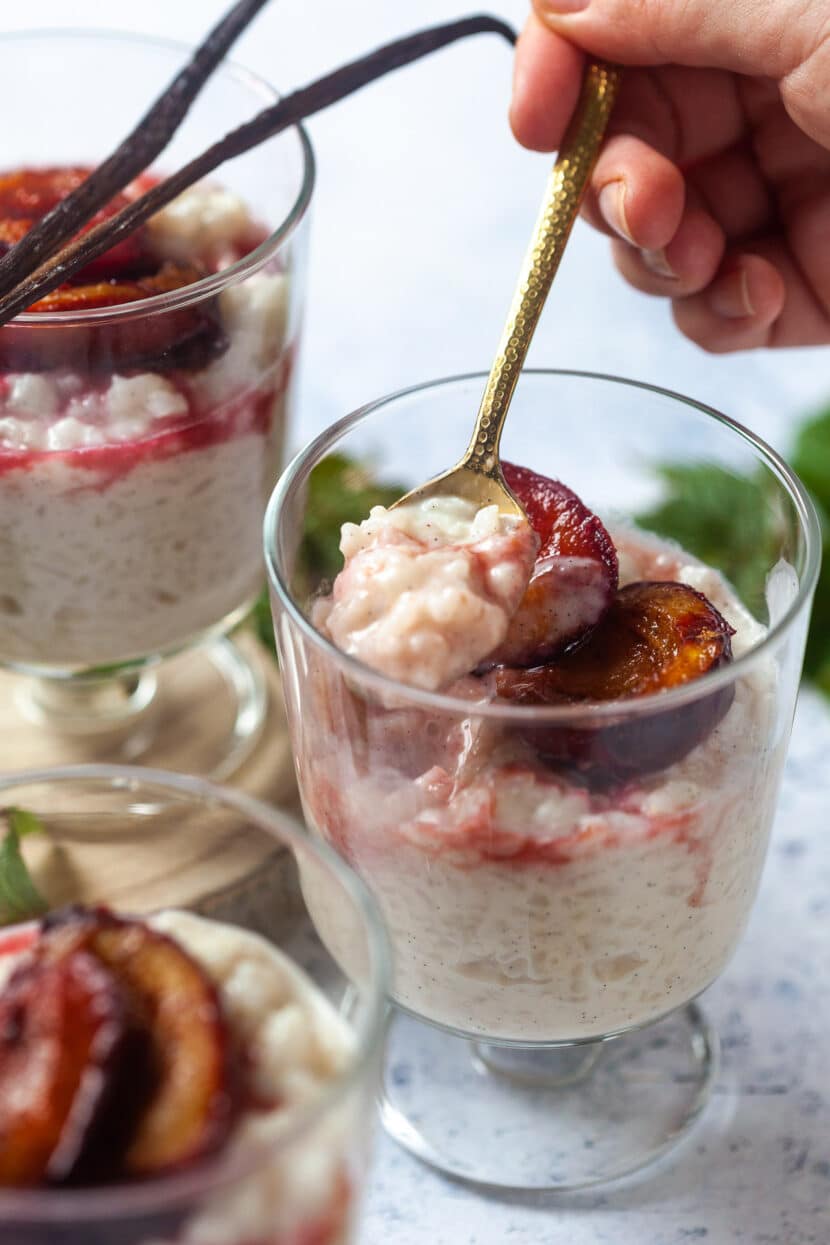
(552, 1119)
(201, 713)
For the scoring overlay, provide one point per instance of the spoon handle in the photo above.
(565, 189)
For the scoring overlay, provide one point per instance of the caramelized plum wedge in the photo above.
(192, 1108)
(63, 1037)
(655, 636)
(112, 293)
(575, 577)
(115, 1057)
(28, 194)
(128, 273)
(186, 336)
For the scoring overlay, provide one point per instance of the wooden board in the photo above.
(213, 863)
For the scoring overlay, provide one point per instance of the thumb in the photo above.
(786, 40)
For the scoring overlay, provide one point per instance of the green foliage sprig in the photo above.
(20, 899)
(733, 522)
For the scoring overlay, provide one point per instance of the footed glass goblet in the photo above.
(260, 1032)
(142, 419)
(561, 881)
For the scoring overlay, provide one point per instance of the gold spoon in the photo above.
(478, 476)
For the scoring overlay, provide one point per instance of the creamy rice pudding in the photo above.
(535, 889)
(136, 457)
(429, 588)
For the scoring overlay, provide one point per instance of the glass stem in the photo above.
(88, 704)
(542, 1068)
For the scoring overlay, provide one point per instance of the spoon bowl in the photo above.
(466, 480)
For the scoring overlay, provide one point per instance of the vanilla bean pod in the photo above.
(138, 150)
(294, 108)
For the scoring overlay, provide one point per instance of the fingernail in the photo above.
(657, 263)
(729, 296)
(612, 209)
(557, 7)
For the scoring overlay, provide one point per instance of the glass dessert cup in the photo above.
(139, 443)
(552, 926)
(291, 1173)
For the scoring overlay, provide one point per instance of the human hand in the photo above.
(714, 180)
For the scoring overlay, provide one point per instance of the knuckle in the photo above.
(805, 90)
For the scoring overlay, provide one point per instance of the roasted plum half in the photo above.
(655, 636)
(575, 576)
(182, 337)
(26, 195)
(128, 273)
(116, 1060)
(192, 1107)
(64, 1036)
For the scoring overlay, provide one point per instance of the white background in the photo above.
(423, 209)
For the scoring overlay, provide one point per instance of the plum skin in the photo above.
(576, 574)
(656, 636)
(155, 1084)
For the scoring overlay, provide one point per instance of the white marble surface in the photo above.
(423, 209)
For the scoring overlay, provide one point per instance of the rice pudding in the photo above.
(533, 892)
(136, 456)
(291, 1045)
(428, 588)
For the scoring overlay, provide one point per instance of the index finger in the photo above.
(685, 114)
(546, 81)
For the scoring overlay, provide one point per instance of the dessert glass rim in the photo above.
(127, 1199)
(590, 712)
(214, 282)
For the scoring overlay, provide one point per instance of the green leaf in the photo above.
(811, 456)
(729, 521)
(340, 490)
(262, 621)
(811, 460)
(735, 523)
(20, 899)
